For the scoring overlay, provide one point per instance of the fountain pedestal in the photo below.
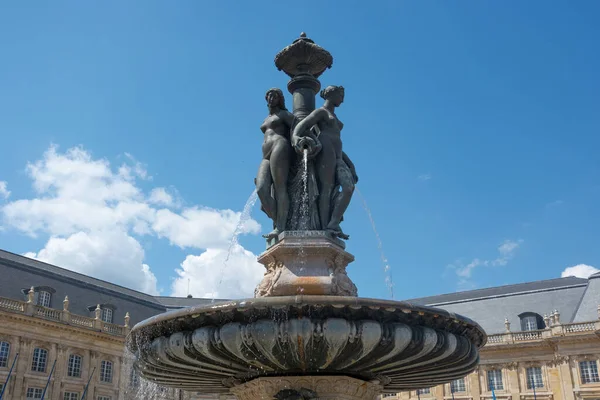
(326, 387)
(308, 263)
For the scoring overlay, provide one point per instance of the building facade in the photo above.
(65, 333)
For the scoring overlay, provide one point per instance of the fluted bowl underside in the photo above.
(210, 348)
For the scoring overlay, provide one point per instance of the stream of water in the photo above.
(304, 212)
(233, 243)
(389, 282)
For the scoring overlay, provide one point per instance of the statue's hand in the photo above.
(308, 143)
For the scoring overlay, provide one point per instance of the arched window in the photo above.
(40, 358)
(106, 370)
(74, 366)
(4, 353)
(531, 321)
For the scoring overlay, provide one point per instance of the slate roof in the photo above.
(501, 291)
(22, 262)
(173, 303)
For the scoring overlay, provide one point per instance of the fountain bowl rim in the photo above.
(156, 326)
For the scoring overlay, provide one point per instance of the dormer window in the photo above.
(44, 298)
(107, 315)
(531, 321)
(107, 312)
(42, 295)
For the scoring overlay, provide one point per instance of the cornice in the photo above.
(29, 320)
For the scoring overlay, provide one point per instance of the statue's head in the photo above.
(335, 94)
(274, 97)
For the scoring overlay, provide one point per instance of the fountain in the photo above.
(305, 334)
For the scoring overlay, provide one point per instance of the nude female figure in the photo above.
(334, 168)
(277, 155)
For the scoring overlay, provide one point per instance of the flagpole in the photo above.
(8, 377)
(48, 382)
(88, 384)
(534, 395)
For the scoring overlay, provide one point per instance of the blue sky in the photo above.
(474, 127)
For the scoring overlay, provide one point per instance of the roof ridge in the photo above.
(571, 279)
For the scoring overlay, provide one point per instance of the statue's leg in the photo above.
(325, 167)
(263, 189)
(346, 181)
(280, 167)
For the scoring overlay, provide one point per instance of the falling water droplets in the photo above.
(389, 282)
(233, 243)
(304, 212)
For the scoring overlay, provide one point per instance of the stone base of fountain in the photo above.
(308, 263)
(324, 387)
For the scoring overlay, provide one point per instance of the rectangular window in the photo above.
(103, 397)
(40, 356)
(44, 298)
(495, 380)
(529, 323)
(534, 377)
(34, 393)
(107, 315)
(106, 371)
(134, 379)
(71, 396)
(458, 386)
(4, 352)
(74, 367)
(589, 371)
(424, 391)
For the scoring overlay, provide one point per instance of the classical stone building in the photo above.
(542, 335)
(543, 341)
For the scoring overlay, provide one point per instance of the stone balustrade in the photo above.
(541, 334)
(64, 316)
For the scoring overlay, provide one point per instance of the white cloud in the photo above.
(424, 177)
(200, 227)
(112, 256)
(92, 213)
(159, 196)
(507, 251)
(4, 192)
(210, 276)
(580, 271)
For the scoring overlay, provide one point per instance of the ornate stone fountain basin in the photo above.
(394, 345)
